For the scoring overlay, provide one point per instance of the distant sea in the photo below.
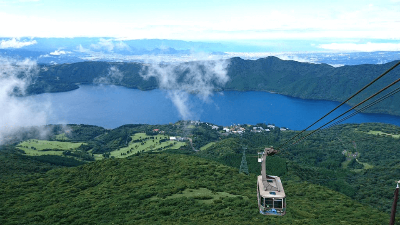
(113, 106)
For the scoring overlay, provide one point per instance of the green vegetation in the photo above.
(201, 195)
(302, 80)
(383, 133)
(62, 137)
(141, 142)
(344, 174)
(367, 166)
(34, 147)
(207, 146)
(139, 190)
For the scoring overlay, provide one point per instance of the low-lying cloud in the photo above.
(109, 45)
(296, 58)
(114, 76)
(58, 52)
(17, 112)
(15, 43)
(180, 80)
(367, 47)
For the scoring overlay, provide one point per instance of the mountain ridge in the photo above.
(286, 77)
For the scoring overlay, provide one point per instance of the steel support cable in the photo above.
(330, 144)
(366, 107)
(383, 89)
(362, 89)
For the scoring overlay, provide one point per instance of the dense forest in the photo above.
(345, 174)
(303, 80)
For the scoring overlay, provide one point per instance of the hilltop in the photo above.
(287, 77)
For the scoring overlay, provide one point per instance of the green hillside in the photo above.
(345, 174)
(139, 190)
(302, 80)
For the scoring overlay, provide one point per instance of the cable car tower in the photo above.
(243, 165)
(270, 193)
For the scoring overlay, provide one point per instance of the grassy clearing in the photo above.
(34, 147)
(202, 195)
(98, 156)
(374, 132)
(207, 146)
(147, 143)
(367, 166)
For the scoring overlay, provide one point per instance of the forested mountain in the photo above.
(67, 77)
(303, 80)
(313, 81)
(136, 174)
(166, 189)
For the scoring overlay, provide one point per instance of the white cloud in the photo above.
(18, 113)
(200, 78)
(109, 45)
(114, 76)
(261, 20)
(81, 49)
(15, 43)
(122, 46)
(58, 52)
(103, 44)
(295, 58)
(180, 99)
(367, 47)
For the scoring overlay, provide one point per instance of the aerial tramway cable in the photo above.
(363, 108)
(367, 106)
(362, 89)
(362, 102)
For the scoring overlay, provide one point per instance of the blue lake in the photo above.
(112, 106)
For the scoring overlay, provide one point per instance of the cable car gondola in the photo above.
(270, 193)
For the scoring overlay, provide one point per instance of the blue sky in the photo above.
(345, 23)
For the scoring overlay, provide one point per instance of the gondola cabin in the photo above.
(271, 199)
(270, 193)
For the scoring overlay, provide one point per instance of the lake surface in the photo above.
(112, 106)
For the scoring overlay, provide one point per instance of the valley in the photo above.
(199, 112)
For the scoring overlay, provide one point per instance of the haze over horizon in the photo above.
(334, 26)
